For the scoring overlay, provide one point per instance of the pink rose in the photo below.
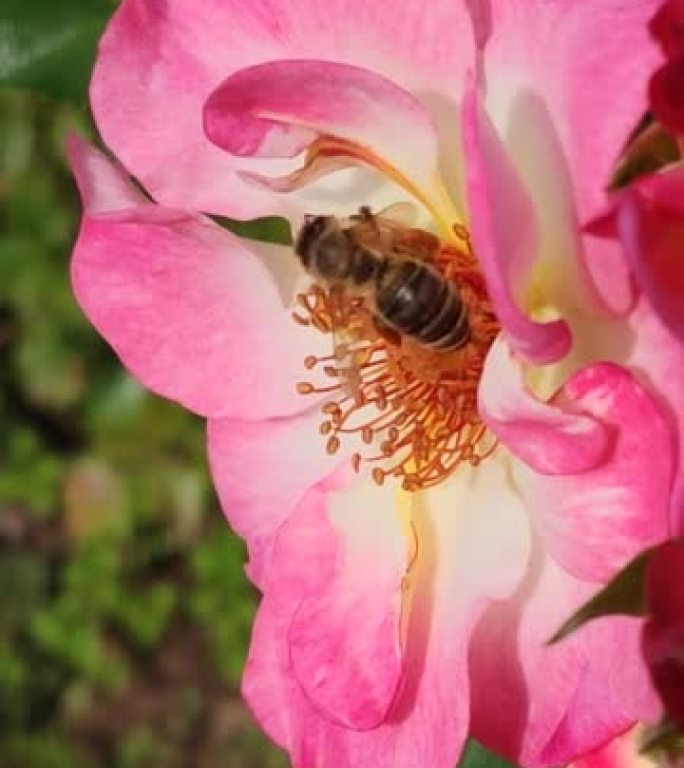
(395, 623)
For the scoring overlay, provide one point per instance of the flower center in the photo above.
(411, 408)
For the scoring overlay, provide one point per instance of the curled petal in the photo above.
(594, 522)
(174, 56)
(504, 233)
(552, 438)
(280, 108)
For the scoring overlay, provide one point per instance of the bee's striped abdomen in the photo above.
(419, 302)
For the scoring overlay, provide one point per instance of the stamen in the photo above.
(416, 406)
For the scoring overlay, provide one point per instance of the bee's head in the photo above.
(313, 228)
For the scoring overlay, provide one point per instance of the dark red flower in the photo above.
(663, 635)
(666, 89)
(667, 27)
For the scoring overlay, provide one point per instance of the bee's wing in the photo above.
(390, 232)
(403, 214)
(379, 231)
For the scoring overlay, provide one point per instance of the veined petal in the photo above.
(174, 56)
(562, 700)
(503, 227)
(552, 438)
(462, 528)
(189, 310)
(262, 470)
(594, 522)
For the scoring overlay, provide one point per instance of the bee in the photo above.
(388, 264)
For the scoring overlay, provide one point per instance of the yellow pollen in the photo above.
(415, 408)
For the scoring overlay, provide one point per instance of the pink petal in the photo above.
(191, 312)
(158, 63)
(344, 637)
(594, 522)
(560, 701)
(620, 752)
(503, 229)
(262, 470)
(547, 82)
(570, 57)
(352, 564)
(552, 438)
(277, 109)
(610, 274)
(650, 222)
(102, 184)
(654, 353)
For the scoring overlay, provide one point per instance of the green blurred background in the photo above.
(124, 610)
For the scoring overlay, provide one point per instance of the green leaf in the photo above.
(476, 756)
(623, 596)
(663, 743)
(271, 229)
(50, 46)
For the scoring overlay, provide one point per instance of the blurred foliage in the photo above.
(125, 612)
(50, 45)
